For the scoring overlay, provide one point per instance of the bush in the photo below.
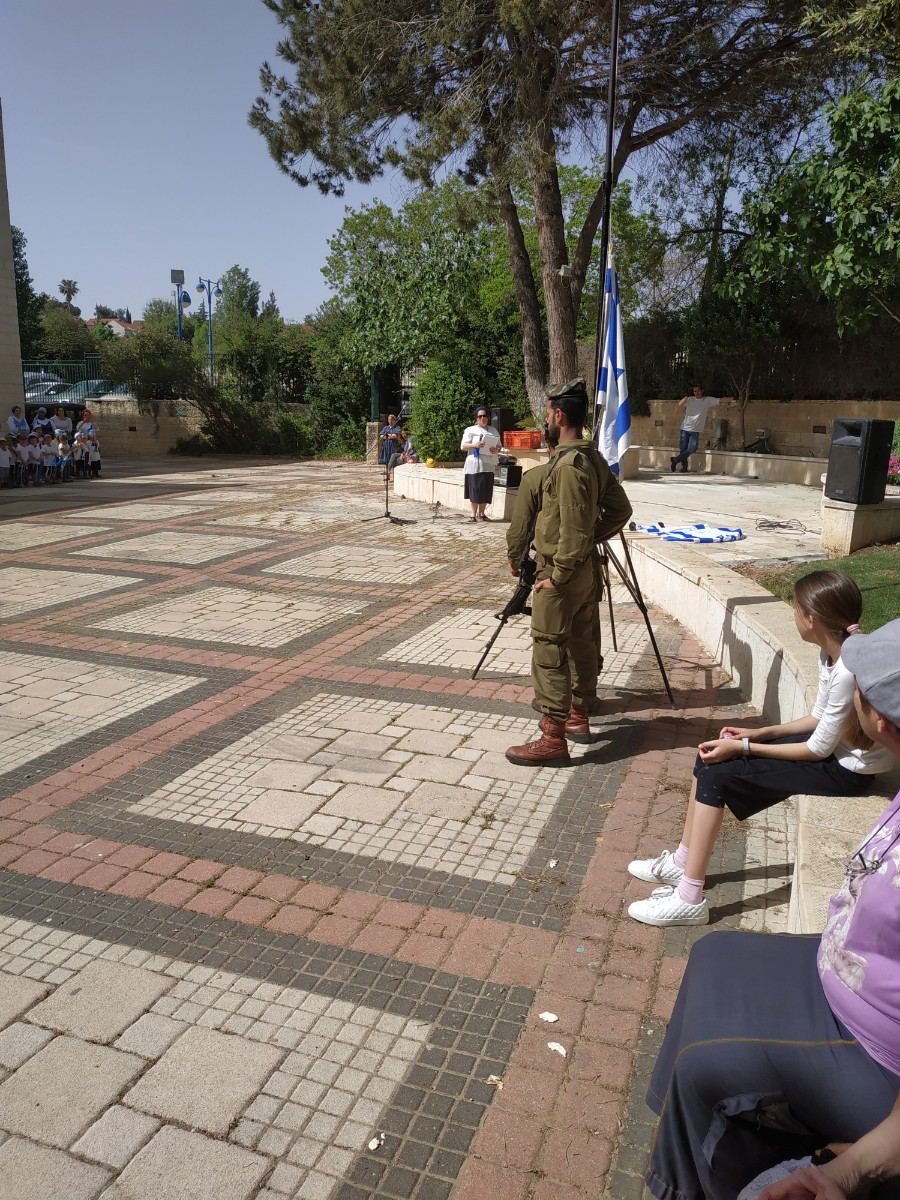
(193, 446)
(444, 405)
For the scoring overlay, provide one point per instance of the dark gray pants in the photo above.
(755, 1069)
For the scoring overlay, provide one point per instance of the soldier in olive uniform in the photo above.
(528, 502)
(581, 502)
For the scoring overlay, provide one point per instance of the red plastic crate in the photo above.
(522, 439)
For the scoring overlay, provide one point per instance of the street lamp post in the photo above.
(211, 289)
(182, 298)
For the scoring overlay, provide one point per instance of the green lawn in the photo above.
(875, 569)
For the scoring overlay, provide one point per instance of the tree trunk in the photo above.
(527, 298)
(712, 259)
(551, 232)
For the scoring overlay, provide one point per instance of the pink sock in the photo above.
(690, 890)
(680, 856)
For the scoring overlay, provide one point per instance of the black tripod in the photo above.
(629, 579)
(387, 512)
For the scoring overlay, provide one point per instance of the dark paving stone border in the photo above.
(537, 898)
(436, 1109)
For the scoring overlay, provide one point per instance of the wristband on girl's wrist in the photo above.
(745, 747)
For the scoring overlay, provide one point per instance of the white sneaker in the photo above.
(662, 869)
(666, 907)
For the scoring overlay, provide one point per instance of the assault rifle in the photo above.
(517, 603)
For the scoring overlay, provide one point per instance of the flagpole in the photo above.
(607, 191)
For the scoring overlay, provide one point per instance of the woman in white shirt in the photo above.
(61, 423)
(481, 442)
(16, 423)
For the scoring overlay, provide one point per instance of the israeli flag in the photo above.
(614, 428)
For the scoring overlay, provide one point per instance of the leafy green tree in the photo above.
(504, 90)
(337, 390)
(833, 217)
(65, 336)
(29, 304)
(103, 311)
(445, 402)
(861, 27)
(729, 330)
(69, 289)
(160, 314)
(102, 333)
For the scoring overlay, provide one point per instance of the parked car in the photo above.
(86, 389)
(31, 378)
(115, 393)
(45, 390)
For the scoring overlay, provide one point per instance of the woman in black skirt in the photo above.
(481, 442)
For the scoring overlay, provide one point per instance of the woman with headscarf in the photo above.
(481, 442)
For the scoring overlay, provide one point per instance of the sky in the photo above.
(128, 152)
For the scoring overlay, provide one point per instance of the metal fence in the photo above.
(47, 370)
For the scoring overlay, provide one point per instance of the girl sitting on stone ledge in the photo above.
(749, 770)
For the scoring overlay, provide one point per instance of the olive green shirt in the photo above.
(582, 502)
(528, 501)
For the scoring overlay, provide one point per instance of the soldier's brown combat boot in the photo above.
(578, 727)
(550, 749)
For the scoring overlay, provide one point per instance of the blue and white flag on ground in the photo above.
(614, 428)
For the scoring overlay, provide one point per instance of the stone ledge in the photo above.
(829, 829)
(847, 527)
(771, 468)
(444, 486)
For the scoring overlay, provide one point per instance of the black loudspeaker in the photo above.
(858, 462)
(508, 475)
(503, 419)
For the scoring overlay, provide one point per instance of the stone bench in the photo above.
(444, 486)
(829, 829)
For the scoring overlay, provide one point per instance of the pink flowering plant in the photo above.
(894, 467)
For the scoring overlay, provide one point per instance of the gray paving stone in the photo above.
(17, 995)
(284, 775)
(62, 1090)
(101, 1001)
(429, 741)
(205, 1080)
(31, 1172)
(117, 1136)
(188, 1166)
(438, 770)
(150, 1035)
(19, 1041)
(354, 802)
(279, 809)
(442, 800)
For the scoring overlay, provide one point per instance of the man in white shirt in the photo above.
(695, 406)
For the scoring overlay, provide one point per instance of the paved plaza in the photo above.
(277, 917)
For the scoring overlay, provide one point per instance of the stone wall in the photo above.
(792, 426)
(148, 430)
(11, 390)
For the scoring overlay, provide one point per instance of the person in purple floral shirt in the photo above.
(779, 1047)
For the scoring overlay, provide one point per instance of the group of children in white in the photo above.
(47, 451)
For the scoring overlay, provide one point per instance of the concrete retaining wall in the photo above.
(129, 430)
(744, 627)
(791, 425)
